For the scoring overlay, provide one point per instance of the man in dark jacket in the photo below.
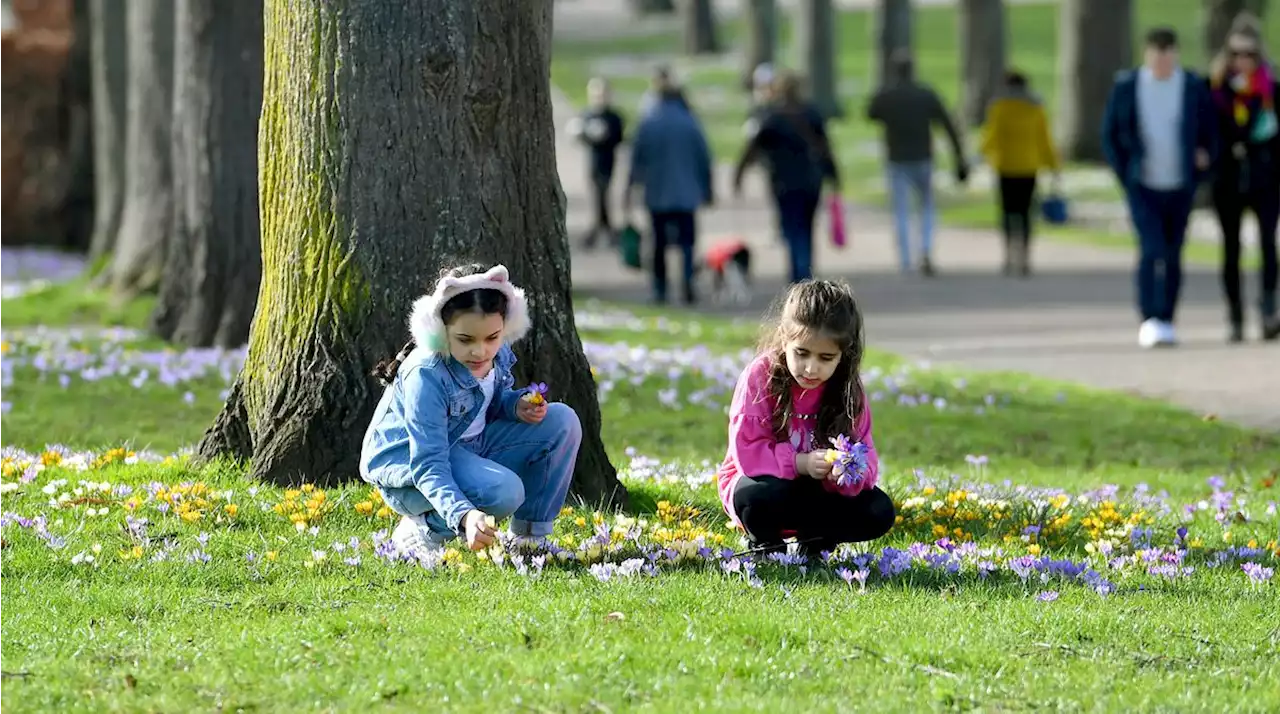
(909, 109)
(1160, 137)
(601, 129)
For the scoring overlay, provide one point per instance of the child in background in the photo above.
(799, 394)
(601, 128)
(452, 447)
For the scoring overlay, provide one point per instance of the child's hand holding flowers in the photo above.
(848, 461)
(532, 408)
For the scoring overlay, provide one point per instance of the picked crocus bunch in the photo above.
(849, 461)
(536, 394)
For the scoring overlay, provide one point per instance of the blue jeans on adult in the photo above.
(1160, 219)
(672, 228)
(796, 210)
(512, 468)
(906, 178)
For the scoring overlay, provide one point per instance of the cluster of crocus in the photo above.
(536, 394)
(848, 459)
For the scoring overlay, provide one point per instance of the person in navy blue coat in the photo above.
(1160, 137)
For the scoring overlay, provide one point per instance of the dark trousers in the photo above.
(600, 199)
(796, 211)
(673, 228)
(1230, 202)
(767, 506)
(1160, 219)
(1016, 193)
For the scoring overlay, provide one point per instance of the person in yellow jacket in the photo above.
(1017, 145)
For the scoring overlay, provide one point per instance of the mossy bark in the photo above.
(108, 77)
(397, 138)
(1095, 41)
(213, 260)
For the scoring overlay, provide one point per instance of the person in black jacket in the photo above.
(1245, 92)
(601, 128)
(793, 142)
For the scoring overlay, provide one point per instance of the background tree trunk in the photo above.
(213, 261)
(816, 46)
(108, 76)
(429, 142)
(652, 7)
(761, 20)
(982, 56)
(1216, 19)
(147, 217)
(893, 33)
(699, 23)
(79, 201)
(1095, 41)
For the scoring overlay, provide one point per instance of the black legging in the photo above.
(768, 505)
(1263, 198)
(1016, 193)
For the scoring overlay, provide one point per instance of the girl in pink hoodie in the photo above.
(791, 404)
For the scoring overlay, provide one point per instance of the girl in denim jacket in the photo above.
(794, 400)
(452, 447)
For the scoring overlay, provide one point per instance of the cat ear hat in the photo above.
(427, 327)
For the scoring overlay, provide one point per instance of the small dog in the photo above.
(727, 266)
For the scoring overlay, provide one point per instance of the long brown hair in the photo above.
(825, 307)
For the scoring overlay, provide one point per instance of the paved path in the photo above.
(1074, 320)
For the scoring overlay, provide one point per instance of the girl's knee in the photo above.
(563, 421)
(502, 497)
(881, 515)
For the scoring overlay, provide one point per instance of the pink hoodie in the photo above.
(753, 449)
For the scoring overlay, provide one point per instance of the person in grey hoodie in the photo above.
(909, 109)
(671, 161)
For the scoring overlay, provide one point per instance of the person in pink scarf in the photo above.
(800, 396)
(1248, 174)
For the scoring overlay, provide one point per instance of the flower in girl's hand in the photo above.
(537, 393)
(848, 461)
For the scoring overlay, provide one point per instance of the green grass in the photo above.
(297, 634)
(713, 87)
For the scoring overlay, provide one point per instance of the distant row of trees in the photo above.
(1095, 41)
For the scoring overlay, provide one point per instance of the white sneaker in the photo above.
(1150, 333)
(413, 538)
(1168, 335)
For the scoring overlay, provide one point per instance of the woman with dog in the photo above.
(793, 142)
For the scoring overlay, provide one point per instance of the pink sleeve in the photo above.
(863, 429)
(751, 441)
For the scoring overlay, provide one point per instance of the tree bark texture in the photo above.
(1095, 42)
(397, 138)
(1216, 19)
(761, 20)
(893, 33)
(213, 261)
(816, 43)
(108, 77)
(699, 23)
(147, 217)
(79, 203)
(652, 7)
(982, 55)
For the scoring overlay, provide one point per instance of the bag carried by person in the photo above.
(835, 212)
(1053, 207)
(629, 247)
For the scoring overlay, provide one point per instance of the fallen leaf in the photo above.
(614, 617)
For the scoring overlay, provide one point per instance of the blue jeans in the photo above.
(905, 178)
(512, 468)
(1160, 219)
(679, 228)
(795, 216)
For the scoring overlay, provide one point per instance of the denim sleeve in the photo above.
(508, 401)
(428, 427)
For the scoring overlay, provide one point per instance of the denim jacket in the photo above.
(421, 415)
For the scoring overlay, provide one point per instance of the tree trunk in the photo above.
(395, 137)
(652, 7)
(816, 43)
(761, 20)
(1216, 19)
(108, 76)
(147, 217)
(699, 22)
(79, 200)
(982, 55)
(213, 262)
(1095, 41)
(893, 33)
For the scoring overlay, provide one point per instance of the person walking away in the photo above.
(909, 109)
(798, 156)
(1247, 174)
(1159, 136)
(1017, 145)
(671, 162)
(601, 129)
